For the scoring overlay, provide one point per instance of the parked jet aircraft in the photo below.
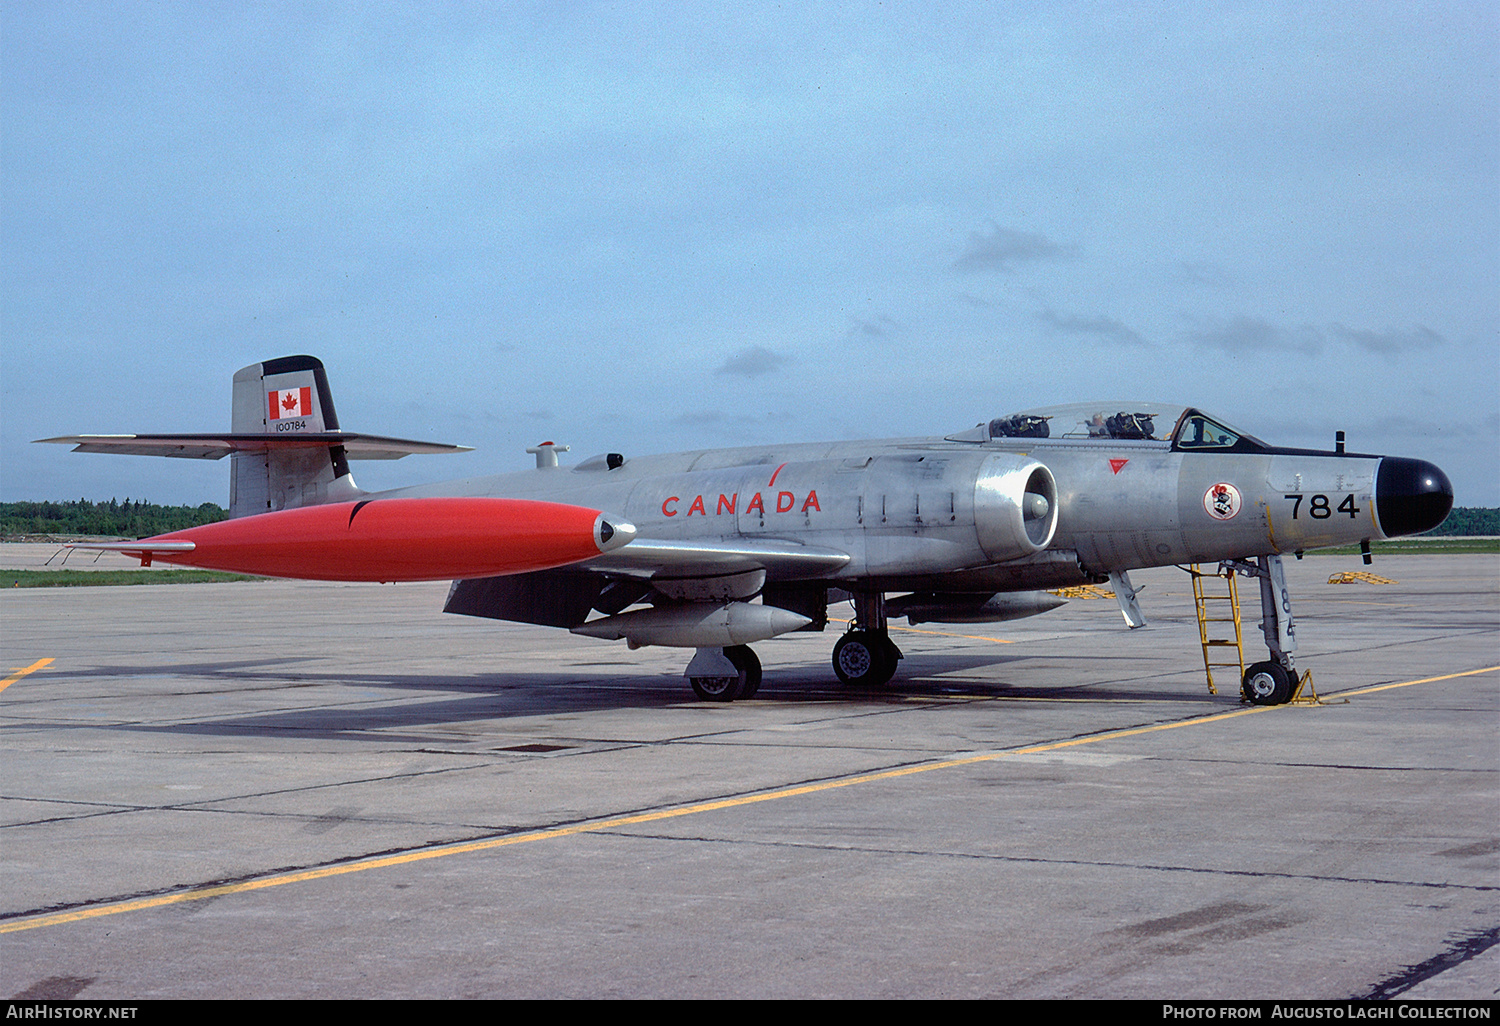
(968, 527)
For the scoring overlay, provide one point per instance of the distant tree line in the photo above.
(128, 519)
(1470, 520)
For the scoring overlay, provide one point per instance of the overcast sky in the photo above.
(642, 228)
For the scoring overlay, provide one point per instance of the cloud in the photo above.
(1390, 342)
(1002, 248)
(1251, 333)
(881, 327)
(1104, 329)
(753, 362)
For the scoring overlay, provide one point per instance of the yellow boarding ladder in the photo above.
(1203, 594)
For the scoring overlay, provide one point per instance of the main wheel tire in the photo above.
(748, 663)
(854, 657)
(890, 656)
(864, 659)
(1266, 683)
(717, 689)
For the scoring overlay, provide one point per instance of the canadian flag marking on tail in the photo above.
(290, 402)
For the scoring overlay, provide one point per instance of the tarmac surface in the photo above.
(286, 789)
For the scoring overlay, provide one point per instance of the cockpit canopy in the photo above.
(1186, 428)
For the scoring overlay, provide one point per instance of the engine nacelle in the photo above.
(1015, 507)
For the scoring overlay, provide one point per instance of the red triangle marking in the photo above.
(1117, 465)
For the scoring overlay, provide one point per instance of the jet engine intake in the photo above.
(1015, 507)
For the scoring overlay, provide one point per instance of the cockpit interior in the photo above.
(1185, 428)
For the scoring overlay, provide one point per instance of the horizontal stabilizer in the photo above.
(217, 446)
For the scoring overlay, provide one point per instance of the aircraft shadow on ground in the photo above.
(472, 698)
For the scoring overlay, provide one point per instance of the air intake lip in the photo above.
(1015, 507)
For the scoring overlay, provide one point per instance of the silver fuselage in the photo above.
(905, 509)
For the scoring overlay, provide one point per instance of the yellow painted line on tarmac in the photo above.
(17, 673)
(963, 697)
(945, 634)
(1408, 683)
(407, 858)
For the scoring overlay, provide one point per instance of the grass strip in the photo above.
(104, 578)
(1417, 546)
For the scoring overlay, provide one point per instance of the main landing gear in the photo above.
(866, 656)
(725, 674)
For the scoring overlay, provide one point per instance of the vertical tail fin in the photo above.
(284, 398)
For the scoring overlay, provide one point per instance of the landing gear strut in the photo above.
(866, 656)
(1274, 681)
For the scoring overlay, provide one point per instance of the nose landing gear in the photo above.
(1273, 682)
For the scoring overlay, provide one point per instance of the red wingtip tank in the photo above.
(394, 539)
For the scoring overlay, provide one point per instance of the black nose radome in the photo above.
(1411, 496)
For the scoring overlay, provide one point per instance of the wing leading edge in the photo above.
(782, 560)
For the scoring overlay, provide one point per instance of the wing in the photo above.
(781, 559)
(216, 446)
(700, 571)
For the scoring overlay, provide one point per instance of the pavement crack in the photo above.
(1457, 953)
(1149, 867)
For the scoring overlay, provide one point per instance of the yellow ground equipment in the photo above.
(1215, 593)
(1084, 591)
(1359, 577)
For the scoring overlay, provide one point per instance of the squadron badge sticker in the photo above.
(1222, 501)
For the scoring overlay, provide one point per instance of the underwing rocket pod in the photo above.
(981, 608)
(696, 625)
(433, 539)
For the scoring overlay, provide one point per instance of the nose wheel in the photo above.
(1266, 684)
